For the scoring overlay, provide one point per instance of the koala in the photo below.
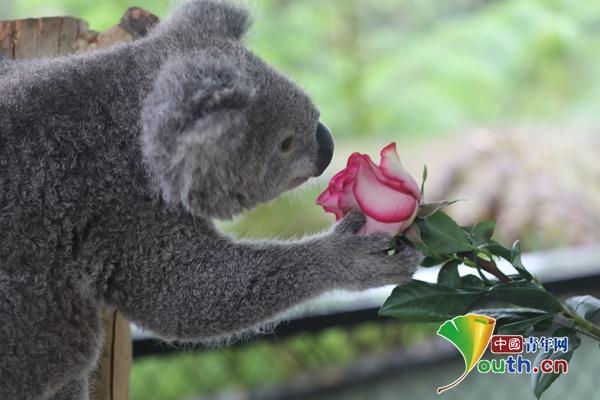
(113, 166)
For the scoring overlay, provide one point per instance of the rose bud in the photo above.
(386, 194)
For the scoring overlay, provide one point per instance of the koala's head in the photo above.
(223, 131)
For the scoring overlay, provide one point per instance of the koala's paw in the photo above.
(365, 259)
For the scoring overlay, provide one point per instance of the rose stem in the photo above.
(489, 266)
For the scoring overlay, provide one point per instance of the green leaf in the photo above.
(564, 331)
(448, 274)
(427, 209)
(525, 326)
(505, 316)
(587, 307)
(483, 277)
(483, 256)
(420, 301)
(413, 234)
(483, 232)
(442, 235)
(527, 294)
(499, 250)
(431, 261)
(516, 261)
(540, 381)
(423, 182)
(471, 282)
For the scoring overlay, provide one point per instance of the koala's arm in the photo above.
(185, 281)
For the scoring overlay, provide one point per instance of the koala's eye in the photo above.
(286, 144)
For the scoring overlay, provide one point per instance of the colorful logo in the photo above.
(471, 335)
(507, 344)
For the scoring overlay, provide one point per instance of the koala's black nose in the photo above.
(325, 144)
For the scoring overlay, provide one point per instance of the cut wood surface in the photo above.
(56, 36)
(53, 36)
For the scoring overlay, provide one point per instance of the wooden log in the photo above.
(110, 380)
(55, 36)
(52, 36)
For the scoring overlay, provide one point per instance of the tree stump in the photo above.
(55, 36)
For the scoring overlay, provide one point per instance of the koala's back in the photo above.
(68, 148)
(69, 136)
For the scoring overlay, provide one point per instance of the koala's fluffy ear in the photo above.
(209, 17)
(193, 120)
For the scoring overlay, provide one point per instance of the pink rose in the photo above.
(387, 195)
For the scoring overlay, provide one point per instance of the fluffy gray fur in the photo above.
(113, 165)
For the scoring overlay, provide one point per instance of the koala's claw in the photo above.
(351, 223)
(366, 259)
(382, 242)
(380, 268)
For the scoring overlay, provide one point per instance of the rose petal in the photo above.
(329, 201)
(346, 200)
(395, 228)
(342, 185)
(392, 168)
(354, 161)
(397, 184)
(338, 179)
(374, 226)
(378, 201)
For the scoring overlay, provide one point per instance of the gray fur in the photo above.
(113, 165)
(77, 389)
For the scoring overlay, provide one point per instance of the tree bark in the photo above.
(56, 36)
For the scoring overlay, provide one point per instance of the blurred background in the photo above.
(498, 97)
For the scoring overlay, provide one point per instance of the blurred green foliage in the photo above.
(397, 68)
(400, 69)
(404, 70)
(258, 364)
